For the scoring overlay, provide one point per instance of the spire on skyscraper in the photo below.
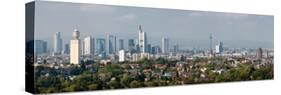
(140, 28)
(142, 40)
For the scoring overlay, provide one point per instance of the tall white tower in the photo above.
(75, 48)
(57, 43)
(142, 40)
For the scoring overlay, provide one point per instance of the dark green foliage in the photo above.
(122, 75)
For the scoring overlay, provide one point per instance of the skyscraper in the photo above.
(142, 40)
(148, 48)
(57, 43)
(109, 44)
(88, 46)
(137, 50)
(176, 48)
(100, 45)
(121, 44)
(155, 49)
(40, 46)
(115, 45)
(165, 45)
(75, 48)
(131, 45)
(219, 48)
(66, 49)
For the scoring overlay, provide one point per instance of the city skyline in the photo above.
(88, 47)
(183, 27)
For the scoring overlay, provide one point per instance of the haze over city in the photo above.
(83, 47)
(189, 29)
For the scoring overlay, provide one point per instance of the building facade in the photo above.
(66, 49)
(219, 48)
(121, 44)
(75, 48)
(110, 44)
(40, 46)
(142, 40)
(121, 55)
(131, 45)
(100, 46)
(88, 46)
(57, 43)
(165, 45)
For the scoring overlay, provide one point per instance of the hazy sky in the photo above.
(187, 28)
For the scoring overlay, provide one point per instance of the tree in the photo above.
(161, 61)
(93, 87)
(71, 88)
(135, 84)
(151, 83)
(264, 72)
(211, 76)
(125, 80)
(113, 84)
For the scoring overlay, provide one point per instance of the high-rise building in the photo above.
(93, 45)
(115, 45)
(131, 45)
(121, 55)
(88, 46)
(142, 40)
(66, 49)
(137, 50)
(57, 43)
(75, 48)
(109, 44)
(148, 48)
(100, 45)
(165, 45)
(40, 46)
(259, 53)
(121, 44)
(176, 48)
(155, 49)
(219, 48)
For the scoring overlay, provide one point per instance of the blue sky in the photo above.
(189, 29)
